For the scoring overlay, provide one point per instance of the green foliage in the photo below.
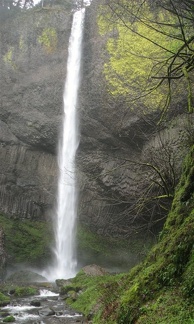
(8, 58)
(66, 289)
(138, 50)
(26, 241)
(48, 39)
(112, 252)
(93, 288)
(9, 319)
(160, 290)
(4, 300)
(188, 279)
(25, 291)
(90, 240)
(168, 307)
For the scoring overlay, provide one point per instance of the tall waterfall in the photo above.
(64, 265)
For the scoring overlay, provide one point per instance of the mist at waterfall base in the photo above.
(64, 264)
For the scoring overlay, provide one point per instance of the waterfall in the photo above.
(64, 265)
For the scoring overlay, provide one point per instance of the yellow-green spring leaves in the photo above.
(48, 39)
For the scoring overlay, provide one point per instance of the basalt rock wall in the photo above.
(115, 140)
(34, 48)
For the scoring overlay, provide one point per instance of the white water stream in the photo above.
(25, 313)
(64, 265)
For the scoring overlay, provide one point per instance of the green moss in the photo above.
(112, 252)
(27, 241)
(159, 290)
(4, 300)
(25, 291)
(48, 39)
(66, 289)
(92, 287)
(9, 319)
(188, 278)
(168, 307)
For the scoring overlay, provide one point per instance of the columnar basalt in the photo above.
(116, 143)
(34, 52)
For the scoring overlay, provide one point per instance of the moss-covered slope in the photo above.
(160, 290)
(26, 242)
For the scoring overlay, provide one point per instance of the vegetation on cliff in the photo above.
(150, 47)
(116, 254)
(4, 300)
(48, 39)
(26, 241)
(159, 290)
(141, 57)
(148, 68)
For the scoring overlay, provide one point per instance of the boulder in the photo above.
(9, 319)
(46, 312)
(94, 270)
(35, 303)
(62, 282)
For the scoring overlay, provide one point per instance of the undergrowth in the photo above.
(26, 241)
(160, 289)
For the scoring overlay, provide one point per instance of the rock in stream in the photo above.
(46, 308)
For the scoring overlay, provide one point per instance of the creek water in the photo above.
(64, 265)
(51, 310)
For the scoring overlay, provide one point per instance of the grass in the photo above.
(168, 307)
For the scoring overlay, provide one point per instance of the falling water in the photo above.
(65, 261)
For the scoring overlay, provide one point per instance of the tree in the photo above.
(149, 49)
(166, 28)
(15, 4)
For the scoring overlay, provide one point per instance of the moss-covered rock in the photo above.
(159, 290)
(4, 300)
(16, 291)
(25, 291)
(9, 319)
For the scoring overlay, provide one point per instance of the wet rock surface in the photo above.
(94, 270)
(46, 308)
(113, 133)
(31, 91)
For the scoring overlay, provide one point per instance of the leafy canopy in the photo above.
(146, 48)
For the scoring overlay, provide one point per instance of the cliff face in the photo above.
(113, 138)
(34, 51)
(116, 143)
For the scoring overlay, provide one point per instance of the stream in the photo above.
(45, 308)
